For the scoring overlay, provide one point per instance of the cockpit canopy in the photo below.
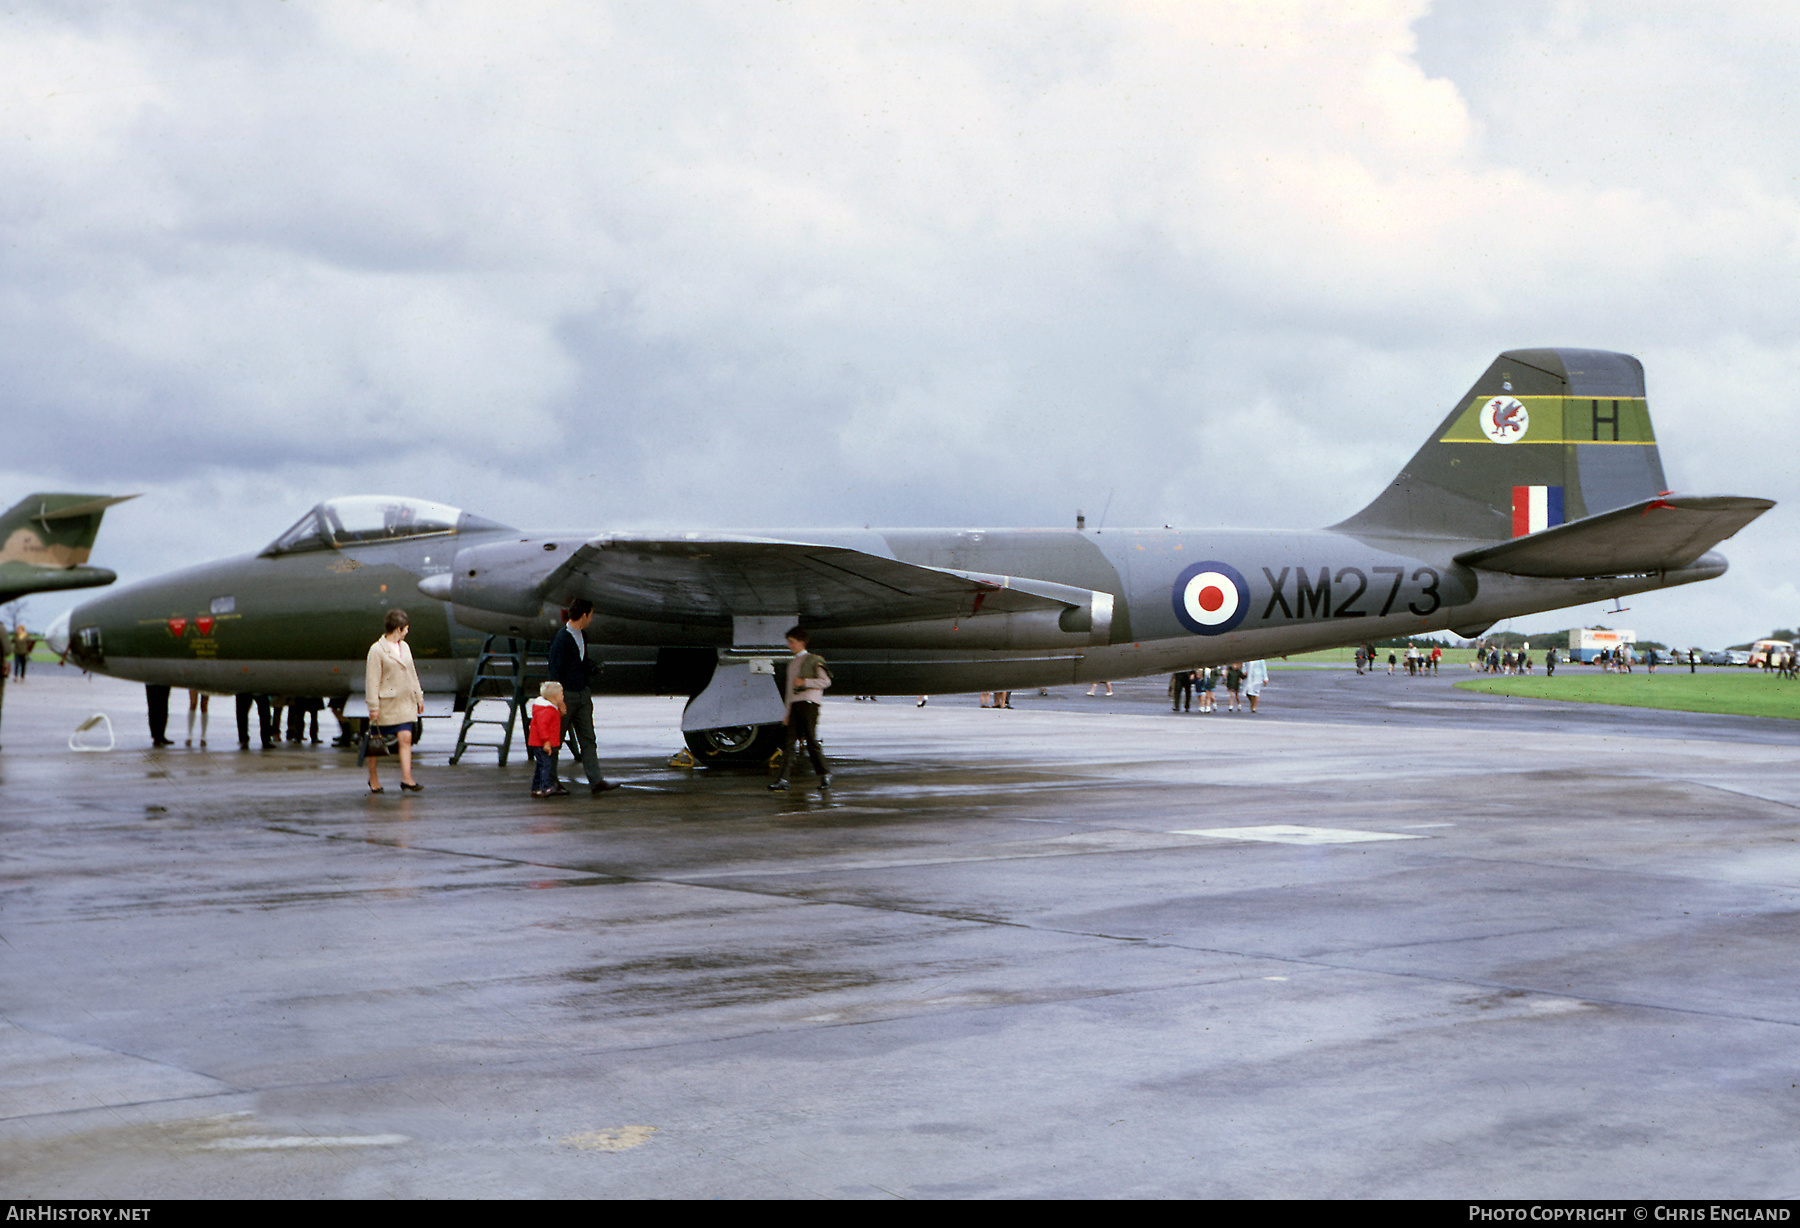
(360, 520)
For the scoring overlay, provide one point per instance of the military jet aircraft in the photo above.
(45, 540)
(1542, 488)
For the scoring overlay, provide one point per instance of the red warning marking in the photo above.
(204, 624)
(177, 627)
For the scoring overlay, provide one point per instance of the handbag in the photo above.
(377, 743)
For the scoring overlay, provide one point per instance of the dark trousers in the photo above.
(803, 723)
(579, 723)
(266, 723)
(298, 710)
(543, 771)
(158, 697)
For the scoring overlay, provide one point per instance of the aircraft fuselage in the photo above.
(302, 623)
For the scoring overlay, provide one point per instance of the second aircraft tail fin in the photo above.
(53, 530)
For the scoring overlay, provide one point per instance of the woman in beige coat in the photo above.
(395, 697)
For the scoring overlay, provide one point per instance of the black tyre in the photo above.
(734, 746)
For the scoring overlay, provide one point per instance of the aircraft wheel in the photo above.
(735, 745)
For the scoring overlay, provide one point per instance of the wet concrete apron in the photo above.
(1382, 939)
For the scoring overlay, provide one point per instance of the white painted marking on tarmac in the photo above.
(1417, 826)
(800, 814)
(1274, 978)
(1285, 833)
(284, 1142)
(619, 1138)
(1557, 1006)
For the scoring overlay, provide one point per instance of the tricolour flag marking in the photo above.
(1536, 508)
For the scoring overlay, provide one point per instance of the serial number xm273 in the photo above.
(1542, 488)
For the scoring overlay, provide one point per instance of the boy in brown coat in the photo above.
(807, 679)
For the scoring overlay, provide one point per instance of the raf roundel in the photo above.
(1211, 598)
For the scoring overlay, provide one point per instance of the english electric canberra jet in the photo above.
(1542, 488)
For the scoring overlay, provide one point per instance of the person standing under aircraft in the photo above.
(1181, 686)
(201, 702)
(264, 719)
(807, 679)
(157, 697)
(569, 666)
(395, 698)
(22, 643)
(1256, 677)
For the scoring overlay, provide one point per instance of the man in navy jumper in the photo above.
(569, 666)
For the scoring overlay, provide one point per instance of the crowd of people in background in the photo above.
(1415, 660)
(1240, 680)
(1505, 661)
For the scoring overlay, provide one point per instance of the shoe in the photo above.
(244, 745)
(412, 788)
(605, 786)
(159, 743)
(378, 789)
(921, 702)
(559, 791)
(779, 784)
(825, 781)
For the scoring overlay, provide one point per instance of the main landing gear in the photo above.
(734, 745)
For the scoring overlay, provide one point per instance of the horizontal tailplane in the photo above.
(1666, 533)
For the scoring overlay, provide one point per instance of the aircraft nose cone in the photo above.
(56, 635)
(436, 587)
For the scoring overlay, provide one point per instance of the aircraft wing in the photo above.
(690, 579)
(1662, 534)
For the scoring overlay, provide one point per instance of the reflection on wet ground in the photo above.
(1383, 938)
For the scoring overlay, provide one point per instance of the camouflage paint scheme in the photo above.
(912, 611)
(45, 540)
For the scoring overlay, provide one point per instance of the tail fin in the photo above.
(45, 540)
(1545, 437)
(52, 530)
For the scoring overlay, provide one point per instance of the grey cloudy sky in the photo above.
(605, 265)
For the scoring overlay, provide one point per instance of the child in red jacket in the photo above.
(543, 736)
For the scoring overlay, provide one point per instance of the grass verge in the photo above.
(1734, 694)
